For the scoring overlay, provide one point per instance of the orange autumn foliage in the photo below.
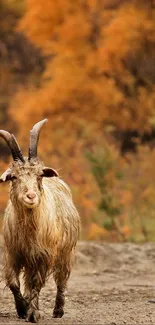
(98, 60)
(96, 78)
(96, 232)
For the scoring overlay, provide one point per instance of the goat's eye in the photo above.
(13, 177)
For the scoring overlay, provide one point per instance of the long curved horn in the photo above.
(13, 145)
(34, 138)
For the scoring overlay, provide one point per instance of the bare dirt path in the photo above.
(111, 284)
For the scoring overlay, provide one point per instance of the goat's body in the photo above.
(40, 241)
(41, 227)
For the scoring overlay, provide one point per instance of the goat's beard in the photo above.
(30, 206)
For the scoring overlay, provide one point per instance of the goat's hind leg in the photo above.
(12, 281)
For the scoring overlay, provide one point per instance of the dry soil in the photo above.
(110, 284)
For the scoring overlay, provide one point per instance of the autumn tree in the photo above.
(101, 59)
(99, 76)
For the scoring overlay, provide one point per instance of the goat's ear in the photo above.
(49, 172)
(6, 176)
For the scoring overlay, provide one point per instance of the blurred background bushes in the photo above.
(89, 66)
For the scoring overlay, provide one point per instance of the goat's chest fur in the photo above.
(30, 245)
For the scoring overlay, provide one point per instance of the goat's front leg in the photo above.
(33, 284)
(33, 313)
(61, 274)
(58, 311)
(12, 281)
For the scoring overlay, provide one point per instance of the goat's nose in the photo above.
(31, 194)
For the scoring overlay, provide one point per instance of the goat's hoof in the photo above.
(33, 315)
(21, 307)
(58, 313)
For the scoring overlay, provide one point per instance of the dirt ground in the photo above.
(110, 284)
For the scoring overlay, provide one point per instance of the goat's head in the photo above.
(26, 174)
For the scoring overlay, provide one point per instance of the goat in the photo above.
(41, 228)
